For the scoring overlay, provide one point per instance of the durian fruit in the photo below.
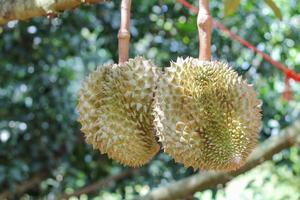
(206, 116)
(115, 107)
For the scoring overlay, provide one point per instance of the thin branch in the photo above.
(207, 180)
(291, 73)
(100, 184)
(25, 186)
(124, 32)
(26, 9)
(204, 23)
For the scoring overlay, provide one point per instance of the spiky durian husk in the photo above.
(206, 116)
(115, 107)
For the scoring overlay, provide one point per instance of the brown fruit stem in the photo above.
(124, 32)
(204, 23)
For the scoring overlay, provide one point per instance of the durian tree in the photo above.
(41, 144)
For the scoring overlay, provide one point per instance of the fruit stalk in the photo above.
(124, 32)
(204, 23)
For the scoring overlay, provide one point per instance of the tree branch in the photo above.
(39, 177)
(204, 23)
(100, 184)
(25, 186)
(206, 180)
(124, 32)
(25, 9)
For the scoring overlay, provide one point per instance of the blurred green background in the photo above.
(42, 63)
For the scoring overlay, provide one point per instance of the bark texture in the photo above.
(26, 9)
(206, 180)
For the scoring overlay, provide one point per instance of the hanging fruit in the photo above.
(207, 116)
(115, 106)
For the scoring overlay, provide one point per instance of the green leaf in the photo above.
(230, 6)
(275, 8)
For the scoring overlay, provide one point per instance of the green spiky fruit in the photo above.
(115, 107)
(206, 116)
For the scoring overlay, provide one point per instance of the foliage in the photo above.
(230, 7)
(42, 63)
